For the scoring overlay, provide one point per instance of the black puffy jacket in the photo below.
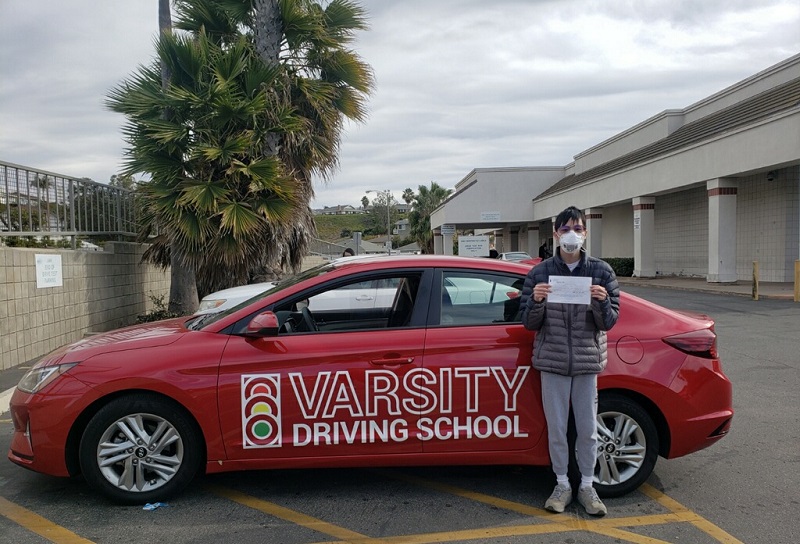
(570, 338)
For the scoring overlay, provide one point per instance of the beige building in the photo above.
(701, 191)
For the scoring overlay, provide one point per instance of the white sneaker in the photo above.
(559, 499)
(587, 496)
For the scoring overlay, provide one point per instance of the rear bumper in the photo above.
(704, 413)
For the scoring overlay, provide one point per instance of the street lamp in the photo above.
(388, 194)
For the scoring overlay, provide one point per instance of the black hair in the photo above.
(570, 213)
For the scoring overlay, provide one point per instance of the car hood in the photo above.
(158, 333)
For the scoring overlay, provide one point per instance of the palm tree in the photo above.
(408, 195)
(426, 200)
(231, 164)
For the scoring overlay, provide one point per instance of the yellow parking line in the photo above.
(552, 523)
(39, 525)
(701, 523)
(478, 534)
(571, 523)
(292, 516)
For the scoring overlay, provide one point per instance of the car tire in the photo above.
(140, 449)
(627, 448)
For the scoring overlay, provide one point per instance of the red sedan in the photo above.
(440, 375)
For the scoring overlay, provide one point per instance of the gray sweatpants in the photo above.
(557, 392)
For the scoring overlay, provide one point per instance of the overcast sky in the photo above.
(460, 84)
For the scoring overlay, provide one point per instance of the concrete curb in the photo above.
(773, 292)
(5, 399)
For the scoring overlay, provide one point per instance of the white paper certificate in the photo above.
(570, 289)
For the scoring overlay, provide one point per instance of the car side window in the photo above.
(470, 298)
(374, 303)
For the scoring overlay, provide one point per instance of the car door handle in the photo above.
(364, 297)
(397, 361)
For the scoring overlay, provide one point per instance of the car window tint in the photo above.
(376, 303)
(380, 283)
(470, 298)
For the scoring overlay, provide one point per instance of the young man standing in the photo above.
(570, 351)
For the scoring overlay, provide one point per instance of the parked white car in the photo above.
(353, 296)
(360, 295)
(515, 256)
(228, 298)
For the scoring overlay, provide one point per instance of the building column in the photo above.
(722, 230)
(644, 230)
(447, 244)
(498, 241)
(437, 242)
(594, 238)
(533, 239)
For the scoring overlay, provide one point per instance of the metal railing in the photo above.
(36, 203)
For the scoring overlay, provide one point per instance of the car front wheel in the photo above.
(140, 449)
(627, 446)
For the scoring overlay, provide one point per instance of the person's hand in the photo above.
(541, 291)
(599, 292)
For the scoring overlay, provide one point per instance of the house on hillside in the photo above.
(345, 209)
(402, 227)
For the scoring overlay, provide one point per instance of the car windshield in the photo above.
(204, 320)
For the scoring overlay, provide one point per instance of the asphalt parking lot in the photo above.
(742, 489)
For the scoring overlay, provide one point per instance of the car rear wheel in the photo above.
(140, 449)
(627, 446)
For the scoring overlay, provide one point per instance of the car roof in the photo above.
(375, 262)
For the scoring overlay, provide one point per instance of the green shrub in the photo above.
(159, 311)
(623, 266)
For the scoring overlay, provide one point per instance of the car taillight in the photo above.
(702, 343)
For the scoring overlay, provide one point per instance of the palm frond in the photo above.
(238, 217)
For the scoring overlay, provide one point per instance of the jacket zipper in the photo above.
(569, 343)
(569, 331)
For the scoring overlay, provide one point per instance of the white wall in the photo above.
(767, 225)
(101, 290)
(681, 237)
(618, 231)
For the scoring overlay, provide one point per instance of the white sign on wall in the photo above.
(637, 222)
(48, 271)
(490, 216)
(473, 246)
(448, 229)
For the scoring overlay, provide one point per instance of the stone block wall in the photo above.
(102, 290)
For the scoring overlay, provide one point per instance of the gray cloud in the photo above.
(461, 84)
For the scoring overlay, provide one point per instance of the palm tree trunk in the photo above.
(183, 299)
(268, 33)
(164, 27)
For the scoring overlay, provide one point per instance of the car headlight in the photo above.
(38, 377)
(211, 304)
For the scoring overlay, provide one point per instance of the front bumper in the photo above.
(42, 426)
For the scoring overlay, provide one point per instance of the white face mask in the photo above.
(570, 242)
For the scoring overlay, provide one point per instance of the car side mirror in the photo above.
(263, 325)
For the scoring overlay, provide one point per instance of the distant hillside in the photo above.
(331, 227)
